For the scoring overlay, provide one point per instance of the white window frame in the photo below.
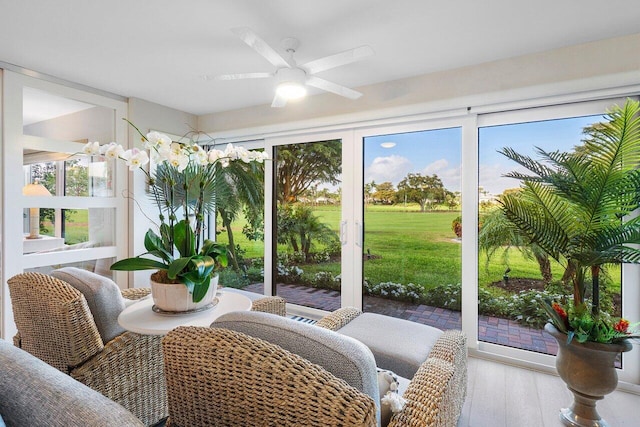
(14, 261)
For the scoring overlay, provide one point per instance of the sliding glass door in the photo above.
(306, 222)
(412, 228)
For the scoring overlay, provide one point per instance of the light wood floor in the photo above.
(505, 396)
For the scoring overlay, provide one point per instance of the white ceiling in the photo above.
(158, 50)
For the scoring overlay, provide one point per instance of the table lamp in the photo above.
(34, 189)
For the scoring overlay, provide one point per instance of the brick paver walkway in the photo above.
(490, 329)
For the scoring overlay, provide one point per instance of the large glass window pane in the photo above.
(80, 228)
(412, 207)
(239, 222)
(307, 222)
(67, 175)
(513, 273)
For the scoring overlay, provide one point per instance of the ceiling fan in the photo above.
(292, 78)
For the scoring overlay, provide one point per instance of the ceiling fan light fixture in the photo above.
(291, 83)
(291, 90)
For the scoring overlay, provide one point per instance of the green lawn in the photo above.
(408, 246)
(76, 229)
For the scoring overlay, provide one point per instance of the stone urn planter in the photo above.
(176, 298)
(588, 370)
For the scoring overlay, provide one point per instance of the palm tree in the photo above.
(497, 232)
(577, 206)
(238, 185)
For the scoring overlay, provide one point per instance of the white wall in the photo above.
(556, 72)
(149, 116)
(93, 124)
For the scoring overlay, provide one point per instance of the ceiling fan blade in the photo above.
(241, 76)
(279, 101)
(342, 58)
(255, 41)
(333, 87)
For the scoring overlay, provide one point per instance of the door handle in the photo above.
(343, 233)
(360, 240)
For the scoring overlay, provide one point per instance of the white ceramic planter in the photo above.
(175, 296)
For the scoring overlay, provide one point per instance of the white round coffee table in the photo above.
(141, 319)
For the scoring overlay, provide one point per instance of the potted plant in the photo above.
(577, 207)
(183, 188)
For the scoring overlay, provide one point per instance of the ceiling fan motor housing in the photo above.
(291, 75)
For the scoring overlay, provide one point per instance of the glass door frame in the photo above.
(630, 272)
(460, 120)
(348, 234)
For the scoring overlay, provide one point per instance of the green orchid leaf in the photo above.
(184, 239)
(199, 292)
(152, 241)
(138, 263)
(176, 267)
(203, 265)
(155, 246)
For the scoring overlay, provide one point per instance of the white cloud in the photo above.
(492, 180)
(435, 167)
(391, 168)
(450, 176)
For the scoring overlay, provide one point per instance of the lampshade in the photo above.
(34, 213)
(35, 190)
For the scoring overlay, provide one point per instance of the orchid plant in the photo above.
(183, 187)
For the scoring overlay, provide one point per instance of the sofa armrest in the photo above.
(431, 397)
(338, 318)
(273, 305)
(36, 394)
(437, 391)
(130, 371)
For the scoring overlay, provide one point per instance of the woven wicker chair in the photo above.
(55, 324)
(438, 389)
(219, 377)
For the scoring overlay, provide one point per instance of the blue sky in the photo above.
(427, 152)
(439, 151)
(550, 135)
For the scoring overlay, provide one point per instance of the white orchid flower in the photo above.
(135, 158)
(202, 157)
(215, 155)
(243, 154)
(161, 154)
(178, 160)
(231, 152)
(113, 150)
(157, 140)
(176, 148)
(91, 148)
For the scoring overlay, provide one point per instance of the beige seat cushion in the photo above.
(398, 345)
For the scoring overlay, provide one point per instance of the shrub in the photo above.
(231, 279)
(444, 296)
(456, 226)
(289, 274)
(325, 280)
(410, 292)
